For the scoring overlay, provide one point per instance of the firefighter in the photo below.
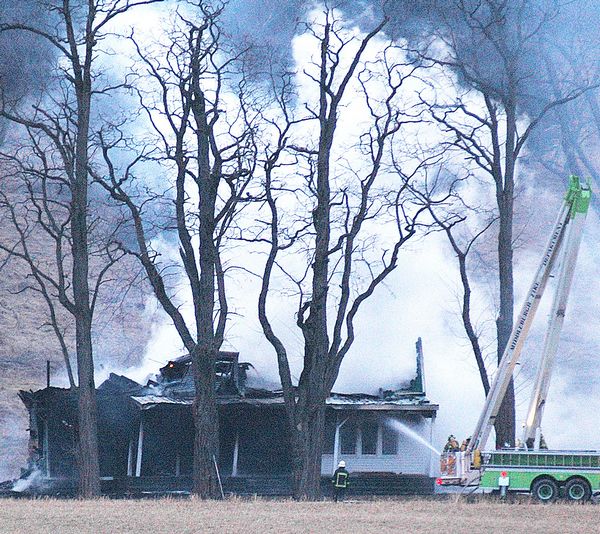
(451, 444)
(340, 481)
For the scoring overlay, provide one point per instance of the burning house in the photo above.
(146, 434)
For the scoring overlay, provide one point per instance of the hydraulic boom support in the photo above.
(565, 238)
(570, 249)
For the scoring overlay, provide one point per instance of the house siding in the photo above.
(412, 457)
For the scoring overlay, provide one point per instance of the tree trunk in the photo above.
(313, 380)
(307, 453)
(505, 421)
(311, 404)
(466, 318)
(89, 465)
(206, 421)
(206, 425)
(306, 415)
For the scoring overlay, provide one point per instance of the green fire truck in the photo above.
(547, 474)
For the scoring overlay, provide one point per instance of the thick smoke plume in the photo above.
(25, 58)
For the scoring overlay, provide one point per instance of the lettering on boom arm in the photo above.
(524, 315)
(534, 289)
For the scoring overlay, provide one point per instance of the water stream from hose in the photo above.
(396, 425)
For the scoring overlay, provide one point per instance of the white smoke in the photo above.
(388, 345)
(24, 484)
(420, 299)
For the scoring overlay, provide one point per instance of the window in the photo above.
(389, 443)
(348, 437)
(369, 437)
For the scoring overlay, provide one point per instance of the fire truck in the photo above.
(530, 467)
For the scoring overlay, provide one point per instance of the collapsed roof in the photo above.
(174, 385)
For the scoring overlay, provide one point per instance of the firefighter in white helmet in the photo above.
(340, 481)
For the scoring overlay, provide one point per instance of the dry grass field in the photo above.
(261, 516)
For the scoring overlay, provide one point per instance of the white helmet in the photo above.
(342, 463)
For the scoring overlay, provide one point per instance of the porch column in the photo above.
(46, 447)
(236, 450)
(140, 447)
(431, 464)
(130, 459)
(336, 440)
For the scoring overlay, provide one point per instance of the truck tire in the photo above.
(545, 489)
(578, 490)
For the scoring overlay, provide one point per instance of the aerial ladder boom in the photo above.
(566, 235)
(572, 241)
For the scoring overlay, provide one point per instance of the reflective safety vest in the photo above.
(340, 478)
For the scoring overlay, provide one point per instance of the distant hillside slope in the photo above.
(121, 333)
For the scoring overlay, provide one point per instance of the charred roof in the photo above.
(174, 385)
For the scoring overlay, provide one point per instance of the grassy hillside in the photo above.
(25, 345)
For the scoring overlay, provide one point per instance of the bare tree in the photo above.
(490, 46)
(568, 138)
(78, 28)
(456, 219)
(205, 140)
(569, 135)
(327, 245)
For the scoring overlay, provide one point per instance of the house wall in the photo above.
(253, 439)
(411, 457)
(264, 449)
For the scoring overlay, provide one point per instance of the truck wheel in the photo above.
(544, 489)
(578, 490)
